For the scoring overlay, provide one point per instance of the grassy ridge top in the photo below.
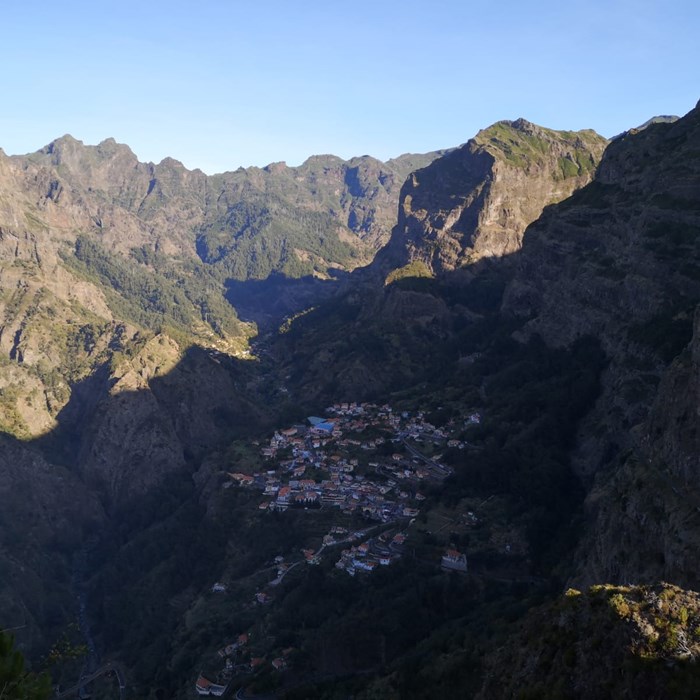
(522, 144)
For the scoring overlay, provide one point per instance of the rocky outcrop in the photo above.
(612, 251)
(476, 201)
(607, 642)
(464, 209)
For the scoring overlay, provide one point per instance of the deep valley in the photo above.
(420, 428)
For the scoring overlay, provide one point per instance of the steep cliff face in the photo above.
(622, 249)
(475, 202)
(104, 189)
(644, 518)
(149, 415)
(620, 260)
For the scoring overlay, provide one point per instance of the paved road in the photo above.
(278, 580)
(440, 468)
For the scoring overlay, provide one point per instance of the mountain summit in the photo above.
(476, 201)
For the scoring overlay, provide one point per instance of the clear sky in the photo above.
(219, 84)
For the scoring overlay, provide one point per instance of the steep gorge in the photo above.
(518, 269)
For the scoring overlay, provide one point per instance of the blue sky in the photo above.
(221, 84)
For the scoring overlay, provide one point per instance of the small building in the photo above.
(279, 664)
(283, 494)
(242, 479)
(454, 560)
(256, 663)
(204, 686)
(365, 565)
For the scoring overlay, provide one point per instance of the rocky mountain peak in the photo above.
(109, 147)
(58, 148)
(276, 167)
(519, 124)
(169, 162)
(476, 201)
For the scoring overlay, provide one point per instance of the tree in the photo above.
(15, 682)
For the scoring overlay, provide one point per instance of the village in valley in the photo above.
(363, 461)
(317, 465)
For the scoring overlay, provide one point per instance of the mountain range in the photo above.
(157, 325)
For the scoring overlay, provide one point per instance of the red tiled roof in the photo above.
(203, 683)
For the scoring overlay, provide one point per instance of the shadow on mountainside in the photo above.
(139, 444)
(130, 442)
(125, 427)
(270, 301)
(120, 480)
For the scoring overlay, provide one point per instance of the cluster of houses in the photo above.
(376, 551)
(324, 446)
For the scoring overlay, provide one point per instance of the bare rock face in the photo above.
(475, 202)
(620, 250)
(128, 444)
(468, 206)
(673, 437)
(144, 418)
